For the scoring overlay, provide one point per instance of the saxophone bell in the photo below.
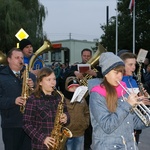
(59, 132)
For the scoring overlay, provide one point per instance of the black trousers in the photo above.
(15, 139)
(137, 135)
(88, 137)
(88, 133)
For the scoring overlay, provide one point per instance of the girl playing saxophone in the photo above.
(41, 110)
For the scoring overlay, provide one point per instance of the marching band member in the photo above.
(132, 85)
(26, 46)
(41, 109)
(79, 114)
(111, 112)
(13, 135)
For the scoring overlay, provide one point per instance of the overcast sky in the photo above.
(81, 18)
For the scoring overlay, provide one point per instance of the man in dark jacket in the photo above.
(13, 135)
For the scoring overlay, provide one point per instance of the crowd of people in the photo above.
(103, 119)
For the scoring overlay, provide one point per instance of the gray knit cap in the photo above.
(109, 61)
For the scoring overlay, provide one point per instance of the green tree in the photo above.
(125, 27)
(16, 14)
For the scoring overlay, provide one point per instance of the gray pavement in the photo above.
(144, 142)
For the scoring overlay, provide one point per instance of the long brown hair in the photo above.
(44, 72)
(111, 94)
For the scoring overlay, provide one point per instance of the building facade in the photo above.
(68, 51)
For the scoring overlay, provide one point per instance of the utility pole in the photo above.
(107, 15)
(69, 36)
(116, 27)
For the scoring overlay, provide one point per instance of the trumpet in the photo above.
(140, 84)
(142, 111)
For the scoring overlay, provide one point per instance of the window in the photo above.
(56, 56)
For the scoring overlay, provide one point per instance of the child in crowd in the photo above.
(129, 60)
(41, 109)
(79, 115)
(111, 112)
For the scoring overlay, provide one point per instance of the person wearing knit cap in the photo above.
(112, 118)
(79, 115)
(86, 55)
(23, 43)
(26, 46)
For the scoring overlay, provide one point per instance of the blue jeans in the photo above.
(75, 143)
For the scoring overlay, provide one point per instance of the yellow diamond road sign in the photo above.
(21, 34)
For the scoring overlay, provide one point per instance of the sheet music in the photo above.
(79, 94)
(141, 55)
(82, 68)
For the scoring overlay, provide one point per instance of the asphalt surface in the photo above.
(144, 142)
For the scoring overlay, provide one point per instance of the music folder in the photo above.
(82, 68)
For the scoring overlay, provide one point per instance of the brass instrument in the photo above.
(140, 84)
(142, 111)
(93, 62)
(25, 87)
(45, 47)
(3, 59)
(59, 132)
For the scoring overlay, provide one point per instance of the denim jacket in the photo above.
(112, 131)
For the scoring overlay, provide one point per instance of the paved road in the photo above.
(144, 142)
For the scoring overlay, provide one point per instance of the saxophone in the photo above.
(141, 110)
(140, 84)
(25, 87)
(59, 132)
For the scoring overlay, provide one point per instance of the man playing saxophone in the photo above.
(13, 135)
(42, 121)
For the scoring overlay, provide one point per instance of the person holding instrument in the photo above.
(132, 85)
(79, 114)
(41, 109)
(26, 46)
(111, 112)
(86, 55)
(13, 135)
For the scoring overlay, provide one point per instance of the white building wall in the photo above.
(75, 46)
